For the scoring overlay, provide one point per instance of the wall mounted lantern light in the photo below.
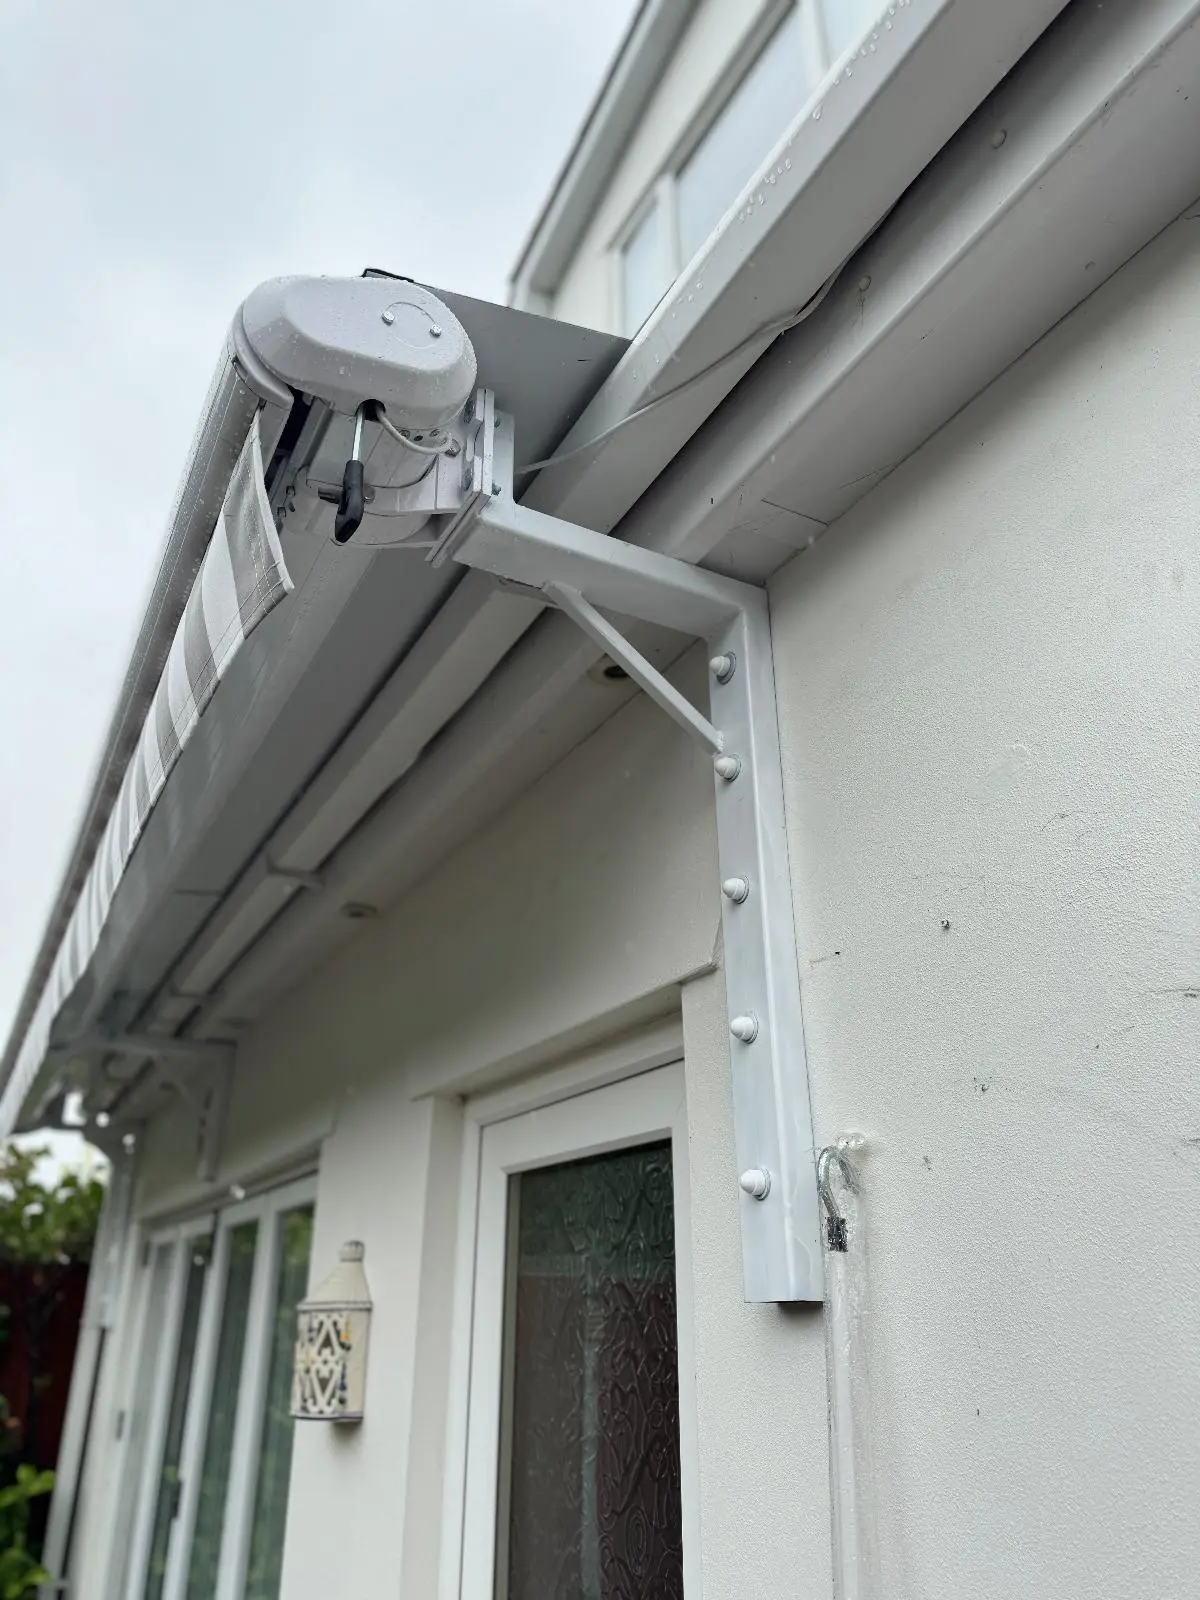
(330, 1369)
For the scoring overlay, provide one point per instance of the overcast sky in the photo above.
(156, 162)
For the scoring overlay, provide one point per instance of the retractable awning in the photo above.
(209, 771)
(242, 578)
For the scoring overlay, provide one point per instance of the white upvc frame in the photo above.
(662, 194)
(267, 1209)
(615, 1100)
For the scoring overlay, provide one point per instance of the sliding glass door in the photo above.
(212, 1460)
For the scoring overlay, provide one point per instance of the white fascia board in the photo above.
(1087, 150)
(844, 162)
(641, 60)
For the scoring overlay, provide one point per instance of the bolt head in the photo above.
(745, 1028)
(387, 317)
(728, 767)
(434, 331)
(723, 667)
(756, 1182)
(736, 889)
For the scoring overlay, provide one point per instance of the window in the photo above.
(577, 1472)
(744, 134)
(211, 1448)
(710, 173)
(645, 266)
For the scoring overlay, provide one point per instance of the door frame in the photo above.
(615, 1099)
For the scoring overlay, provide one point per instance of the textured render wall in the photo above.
(586, 293)
(990, 695)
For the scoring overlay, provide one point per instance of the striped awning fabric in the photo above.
(241, 579)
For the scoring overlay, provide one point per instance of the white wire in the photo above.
(767, 329)
(443, 447)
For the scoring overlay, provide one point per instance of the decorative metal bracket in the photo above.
(207, 1097)
(579, 570)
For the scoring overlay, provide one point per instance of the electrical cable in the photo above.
(773, 328)
(444, 446)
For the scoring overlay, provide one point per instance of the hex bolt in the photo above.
(723, 667)
(728, 767)
(745, 1028)
(736, 889)
(434, 331)
(387, 317)
(756, 1182)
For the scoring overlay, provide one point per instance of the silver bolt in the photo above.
(434, 331)
(745, 1028)
(998, 138)
(723, 667)
(756, 1182)
(236, 1192)
(736, 889)
(728, 767)
(388, 316)
(495, 488)
(864, 283)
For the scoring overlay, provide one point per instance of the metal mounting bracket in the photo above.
(579, 570)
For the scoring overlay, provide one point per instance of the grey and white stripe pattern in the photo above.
(242, 579)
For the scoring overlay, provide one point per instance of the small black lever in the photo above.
(352, 502)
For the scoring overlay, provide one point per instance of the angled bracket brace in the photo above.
(579, 571)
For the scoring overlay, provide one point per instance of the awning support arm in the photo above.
(660, 689)
(584, 573)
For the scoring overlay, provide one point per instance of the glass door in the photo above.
(577, 1485)
(214, 1468)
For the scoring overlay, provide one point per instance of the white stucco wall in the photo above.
(989, 684)
(990, 692)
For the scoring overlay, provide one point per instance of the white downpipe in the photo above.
(851, 1481)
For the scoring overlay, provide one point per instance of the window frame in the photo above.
(267, 1209)
(615, 1100)
(663, 190)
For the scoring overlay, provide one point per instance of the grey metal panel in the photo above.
(542, 372)
(284, 707)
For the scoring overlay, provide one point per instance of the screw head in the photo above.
(723, 667)
(728, 767)
(434, 331)
(387, 317)
(736, 889)
(745, 1028)
(756, 1182)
